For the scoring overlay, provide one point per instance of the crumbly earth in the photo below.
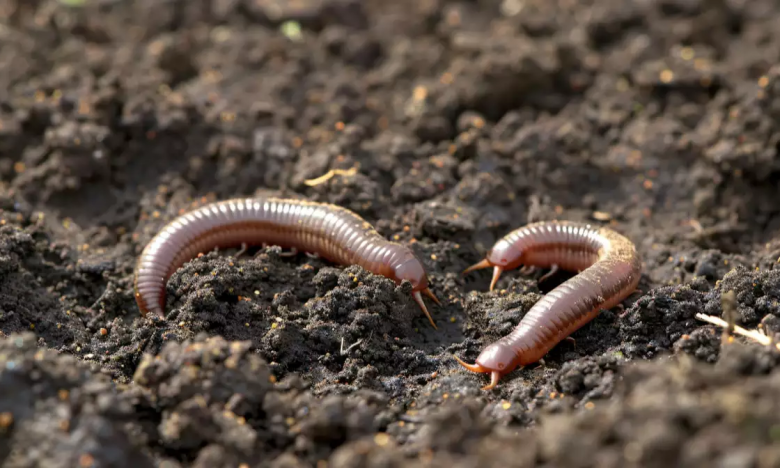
(460, 121)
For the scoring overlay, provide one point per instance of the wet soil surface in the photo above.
(459, 121)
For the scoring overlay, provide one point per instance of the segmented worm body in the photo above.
(332, 232)
(610, 270)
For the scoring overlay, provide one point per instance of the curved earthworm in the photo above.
(334, 233)
(610, 270)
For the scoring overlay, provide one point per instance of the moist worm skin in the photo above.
(609, 267)
(330, 231)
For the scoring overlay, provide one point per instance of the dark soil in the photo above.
(463, 120)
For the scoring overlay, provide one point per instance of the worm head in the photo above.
(413, 271)
(497, 359)
(504, 255)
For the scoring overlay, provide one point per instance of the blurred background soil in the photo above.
(456, 121)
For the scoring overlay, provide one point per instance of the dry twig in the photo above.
(729, 305)
(728, 302)
(331, 174)
(755, 335)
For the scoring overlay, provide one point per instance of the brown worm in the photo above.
(332, 232)
(610, 270)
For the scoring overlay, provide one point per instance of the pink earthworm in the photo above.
(330, 231)
(609, 267)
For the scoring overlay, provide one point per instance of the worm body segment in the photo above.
(332, 232)
(609, 267)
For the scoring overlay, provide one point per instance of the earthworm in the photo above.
(609, 267)
(330, 231)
